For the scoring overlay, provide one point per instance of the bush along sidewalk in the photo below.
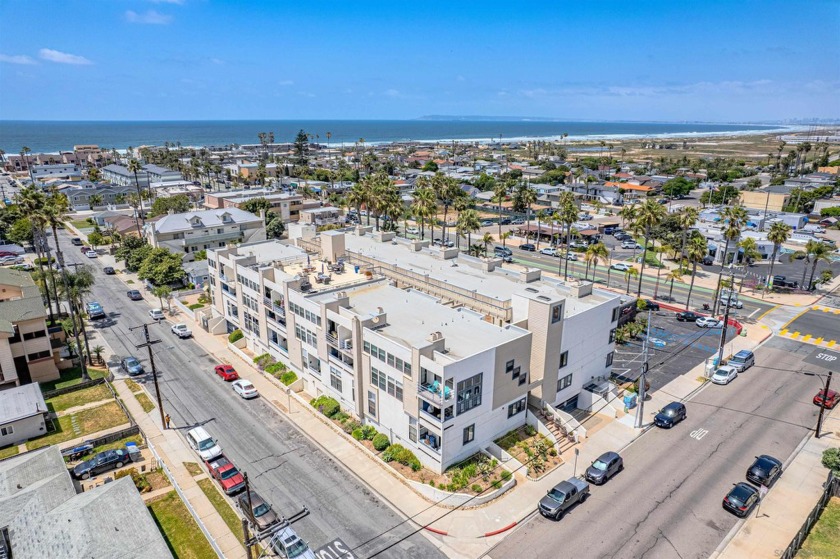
(268, 364)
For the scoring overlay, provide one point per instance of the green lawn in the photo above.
(118, 444)
(8, 452)
(81, 224)
(79, 398)
(193, 468)
(133, 386)
(145, 402)
(824, 540)
(179, 529)
(89, 421)
(221, 505)
(71, 377)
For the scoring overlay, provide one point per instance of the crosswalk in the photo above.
(794, 334)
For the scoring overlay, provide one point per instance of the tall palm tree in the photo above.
(541, 215)
(817, 251)
(735, 219)
(32, 202)
(696, 250)
(487, 240)
(526, 197)
(505, 236)
(468, 223)
(778, 234)
(649, 215)
(673, 275)
(567, 214)
(595, 254)
(424, 207)
(77, 285)
(500, 192)
(135, 167)
(446, 189)
(686, 218)
(630, 273)
(357, 197)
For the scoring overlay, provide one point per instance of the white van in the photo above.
(203, 443)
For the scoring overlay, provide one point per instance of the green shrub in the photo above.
(432, 482)
(496, 484)
(341, 417)
(381, 442)
(326, 405)
(398, 453)
(351, 426)
(552, 452)
(506, 475)
(476, 488)
(235, 336)
(357, 434)
(263, 360)
(370, 432)
(288, 377)
(195, 306)
(530, 431)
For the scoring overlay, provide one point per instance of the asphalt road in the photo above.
(667, 501)
(817, 324)
(284, 466)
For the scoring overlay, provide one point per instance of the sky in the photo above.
(713, 61)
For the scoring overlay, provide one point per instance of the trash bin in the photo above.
(134, 452)
(356, 269)
(630, 401)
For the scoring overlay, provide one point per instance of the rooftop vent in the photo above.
(435, 336)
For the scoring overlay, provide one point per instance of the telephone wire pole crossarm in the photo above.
(148, 345)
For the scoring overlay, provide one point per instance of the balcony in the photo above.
(229, 292)
(279, 321)
(435, 392)
(431, 441)
(340, 359)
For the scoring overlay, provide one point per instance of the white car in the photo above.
(709, 322)
(631, 244)
(724, 375)
(572, 256)
(413, 231)
(245, 389)
(91, 254)
(735, 303)
(156, 314)
(549, 251)
(181, 330)
(620, 266)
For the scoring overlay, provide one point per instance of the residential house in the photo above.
(59, 170)
(112, 196)
(23, 414)
(327, 215)
(286, 205)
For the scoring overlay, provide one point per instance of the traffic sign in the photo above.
(336, 549)
(824, 358)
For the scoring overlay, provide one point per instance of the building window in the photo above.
(612, 335)
(38, 355)
(6, 430)
(33, 335)
(609, 359)
(564, 383)
(469, 434)
(372, 403)
(469, 393)
(556, 314)
(335, 378)
(615, 313)
(412, 433)
(564, 359)
(516, 371)
(509, 366)
(523, 379)
(516, 408)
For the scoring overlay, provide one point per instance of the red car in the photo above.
(231, 480)
(830, 402)
(227, 372)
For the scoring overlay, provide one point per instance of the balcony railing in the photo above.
(427, 441)
(435, 392)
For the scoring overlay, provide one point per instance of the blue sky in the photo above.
(208, 59)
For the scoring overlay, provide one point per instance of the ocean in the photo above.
(54, 136)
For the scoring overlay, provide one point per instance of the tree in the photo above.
(484, 182)
(95, 238)
(753, 184)
(21, 232)
(817, 251)
(500, 192)
(179, 203)
(749, 250)
(274, 229)
(163, 292)
(424, 205)
(430, 166)
(696, 250)
(468, 223)
(650, 214)
(735, 219)
(94, 201)
(778, 234)
(76, 286)
(98, 351)
(505, 236)
(301, 148)
(630, 273)
(678, 186)
(719, 195)
(487, 240)
(567, 214)
(541, 215)
(200, 255)
(255, 205)
(673, 275)
(446, 189)
(595, 254)
(161, 267)
(135, 167)
(831, 459)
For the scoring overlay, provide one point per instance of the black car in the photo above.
(764, 471)
(109, 270)
(708, 260)
(670, 415)
(741, 499)
(102, 462)
(134, 295)
(505, 221)
(687, 316)
(605, 467)
(646, 305)
(528, 246)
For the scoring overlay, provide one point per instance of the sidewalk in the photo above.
(768, 532)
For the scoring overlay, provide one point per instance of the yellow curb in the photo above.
(794, 318)
(768, 311)
(806, 338)
(784, 332)
(831, 343)
(764, 326)
(818, 340)
(794, 335)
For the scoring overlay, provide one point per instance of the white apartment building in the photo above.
(441, 352)
(190, 232)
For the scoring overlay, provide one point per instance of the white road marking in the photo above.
(752, 313)
(699, 433)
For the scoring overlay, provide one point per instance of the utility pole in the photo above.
(249, 546)
(822, 407)
(726, 316)
(640, 412)
(148, 345)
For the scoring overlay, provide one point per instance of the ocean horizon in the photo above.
(55, 136)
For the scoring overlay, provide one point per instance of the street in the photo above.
(817, 325)
(667, 502)
(284, 466)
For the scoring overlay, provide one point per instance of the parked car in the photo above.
(413, 231)
(830, 401)
(11, 259)
(708, 322)
(156, 314)
(91, 253)
(620, 266)
(708, 260)
(571, 256)
(578, 244)
(181, 330)
(84, 249)
(95, 311)
(528, 246)
(732, 302)
(631, 244)
(687, 316)
(724, 374)
(132, 366)
(605, 467)
(102, 462)
(245, 389)
(502, 251)
(505, 221)
(227, 372)
(764, 471)
(742, 360)
(109, 271)
(670, 415)
(286, 543)
(223, 471)
(585, 217)
(201, 441)
(647, 305)
(518, 222)
(562, 497)
(616, 233)
(259, 514)
(76, 241)
(487, 223)
(741, 499)
(134, 295)
(549, 251)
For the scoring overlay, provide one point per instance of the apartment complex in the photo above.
(287, 205)
(26, 350)
(190, 232)
(441, 351)
(120, 175)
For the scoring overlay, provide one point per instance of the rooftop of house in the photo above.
(21, 402)
(172, 223)
(27, 307)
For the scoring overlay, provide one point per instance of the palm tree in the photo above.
(357, 197)
(32, 203)
(567, 214)
(526, 197)
(505, 236)
(778, 234)
(95, 200)
(500, 191)
(735, 219)
(817, 251)
(696, 250)
(135, 167)
(76, 286)
(649, 215)
(98, 351)
(596, 253)
(673, 275)
(630, 273)
(487, 240)
(686, 218)
(749, 250)
(468, 223)
(424, 206)
(446, 189)
(541, 215)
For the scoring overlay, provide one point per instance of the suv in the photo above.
(287, 543)
(76, 241)
(95, 310)
(528, 246)
(203, 443)
(260, 513)
(605, 467)
(742, 360)
(670, 415)
(549, 251)
(502, 251)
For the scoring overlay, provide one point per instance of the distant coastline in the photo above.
(54, 136)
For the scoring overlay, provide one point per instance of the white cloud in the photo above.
(62, 57)
(17, 59)
(151, 17)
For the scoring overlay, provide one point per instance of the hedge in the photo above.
(235, 336)
(381, 442)
(398, 453)
(326, 405)
(288, 377)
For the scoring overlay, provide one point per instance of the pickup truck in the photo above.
(181, 330)
(562, 497)
(223, 470)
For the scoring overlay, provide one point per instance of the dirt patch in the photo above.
(532, 449)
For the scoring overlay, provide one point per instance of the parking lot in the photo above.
(674, 348)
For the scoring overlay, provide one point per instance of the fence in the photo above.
(831, 489)
(68, 389)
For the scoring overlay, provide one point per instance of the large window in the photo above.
(469, 393)
(469, 434)
(564, 382)
(516, 408)
(389, 358)
(564, 359)
(335, 378)
(371, 403)
(612, 335)
(384, 382)
(610, 356)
